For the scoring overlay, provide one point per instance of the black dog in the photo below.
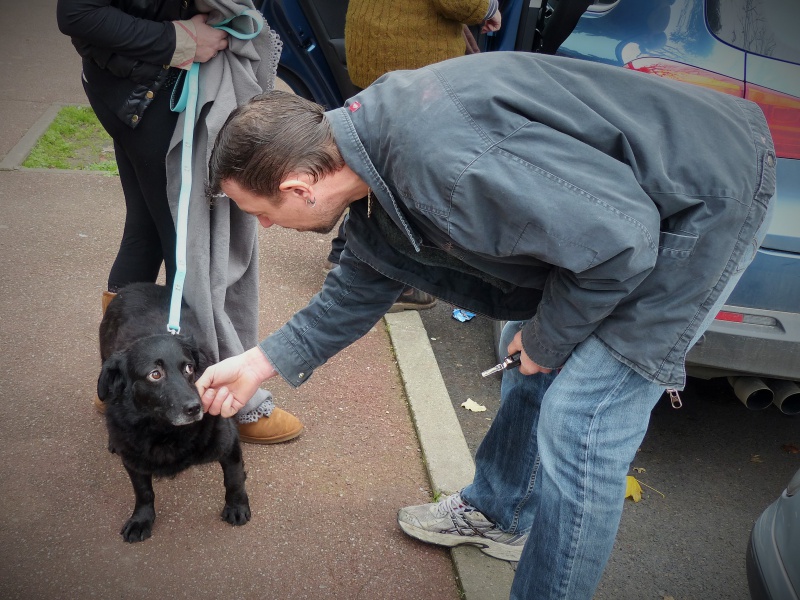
(153, 413)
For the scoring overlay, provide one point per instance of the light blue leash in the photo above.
(188, 102)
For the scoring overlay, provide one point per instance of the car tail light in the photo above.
(735, 317)
(782, 110)
(724, 315)
(689, 74)
(783, 115)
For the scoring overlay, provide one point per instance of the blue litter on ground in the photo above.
(462, 315)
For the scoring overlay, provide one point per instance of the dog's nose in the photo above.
(192, 410)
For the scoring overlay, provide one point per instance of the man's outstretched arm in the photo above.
(228, 385)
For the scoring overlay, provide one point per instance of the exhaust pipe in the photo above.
(754, 393)
(786, 395)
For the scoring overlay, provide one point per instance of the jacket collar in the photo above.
(356, 157)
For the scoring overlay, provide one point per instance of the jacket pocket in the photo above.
(676, 245)
(765, 189)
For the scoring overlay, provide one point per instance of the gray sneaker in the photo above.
(452, 522)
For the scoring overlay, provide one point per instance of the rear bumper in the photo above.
(736, 349)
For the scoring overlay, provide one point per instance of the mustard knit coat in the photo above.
(387, 35)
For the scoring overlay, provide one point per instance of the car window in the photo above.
(766, 27)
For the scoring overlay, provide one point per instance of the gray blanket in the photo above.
(221, 283)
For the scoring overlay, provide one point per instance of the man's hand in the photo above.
(209, 40)
(227, 386)
(527, 366)
(492, 23)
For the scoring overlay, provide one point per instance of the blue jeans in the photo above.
(555, 459)
(554, 462)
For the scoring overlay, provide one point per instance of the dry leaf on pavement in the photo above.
(632, 489)
(470, 404)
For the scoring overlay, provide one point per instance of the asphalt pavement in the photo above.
(379, 430)
(707, 471)
(384, 424)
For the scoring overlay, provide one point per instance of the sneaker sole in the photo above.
(487, 546)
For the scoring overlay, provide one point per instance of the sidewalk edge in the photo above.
(17, 155)
(447, 457)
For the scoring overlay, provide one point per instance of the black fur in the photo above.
(153, 413)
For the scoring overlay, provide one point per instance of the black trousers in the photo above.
(148, 238)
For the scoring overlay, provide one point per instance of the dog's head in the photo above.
(154, 377)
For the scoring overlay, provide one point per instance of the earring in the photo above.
(312, 202)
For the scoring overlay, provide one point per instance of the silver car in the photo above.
(773, 554)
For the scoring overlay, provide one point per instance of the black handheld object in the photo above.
(509, 362)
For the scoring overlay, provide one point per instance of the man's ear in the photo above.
(111, 383)
(297, 186)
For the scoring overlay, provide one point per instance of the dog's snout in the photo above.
(192, 410)
(184, 413)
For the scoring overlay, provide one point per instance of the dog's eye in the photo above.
(154, 375)
(188, 369)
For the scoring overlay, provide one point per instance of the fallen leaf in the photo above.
(650, 487)
(470, 404)
(790, 448)
(632, 489)
(639, 469)
(756, 458)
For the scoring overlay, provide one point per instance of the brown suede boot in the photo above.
(106, 299)
(279, 426)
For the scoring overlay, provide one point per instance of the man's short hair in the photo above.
(272, 135)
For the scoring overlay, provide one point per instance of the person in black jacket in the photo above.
(131, 58)
(133, 51)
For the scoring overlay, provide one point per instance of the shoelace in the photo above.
(453, 505)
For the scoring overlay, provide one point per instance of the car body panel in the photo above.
(759, 349)
(773, 553)
(303, 64)
(783, 231)
(769, 289)
(774, 74)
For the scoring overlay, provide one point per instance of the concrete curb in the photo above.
(22, 148)
(448, 459)
(447, 456)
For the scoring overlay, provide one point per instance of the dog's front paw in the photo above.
(138, 528)
(236, 514)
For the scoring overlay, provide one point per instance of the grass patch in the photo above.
(74, 140)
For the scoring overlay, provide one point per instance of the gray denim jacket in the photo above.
(590, 199)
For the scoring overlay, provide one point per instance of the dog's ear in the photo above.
(111, 383)
(200, 358)
(203, 362)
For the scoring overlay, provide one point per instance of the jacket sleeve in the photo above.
(574, 304)
(353, 298)
(98, 23)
